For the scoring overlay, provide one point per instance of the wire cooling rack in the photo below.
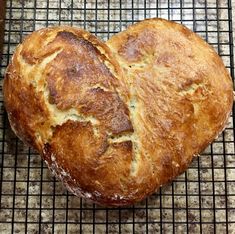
(202, 200)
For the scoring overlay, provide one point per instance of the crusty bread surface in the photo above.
(117, 120)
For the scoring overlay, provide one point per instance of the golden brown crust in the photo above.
(115, 122)
(182, 87)
(22, 103)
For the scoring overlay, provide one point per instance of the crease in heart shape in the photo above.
(117, 120)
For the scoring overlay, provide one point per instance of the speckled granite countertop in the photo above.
(201, 199)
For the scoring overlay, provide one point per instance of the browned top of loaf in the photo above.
(115, 121)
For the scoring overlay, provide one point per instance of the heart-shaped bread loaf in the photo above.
(117, 120)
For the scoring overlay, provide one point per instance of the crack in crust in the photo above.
(32, 70)
(58, 117)
(116, 121)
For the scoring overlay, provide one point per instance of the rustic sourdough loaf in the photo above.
(116, 120)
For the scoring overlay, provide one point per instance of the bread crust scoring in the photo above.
(116, 121)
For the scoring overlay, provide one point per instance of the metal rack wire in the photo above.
(202, 200)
